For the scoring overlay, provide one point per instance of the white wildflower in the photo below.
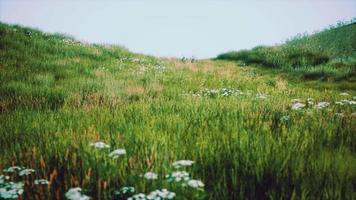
(41, 182)
(195, 183)
(11, 190)
(322, 105)
(344, 94)
(12, 169)
(100, 145)
(138, 196)
(116, 153)
(150, 176)
(182, 163)
(26, 172)
(352, 102)
(161, 194)
(75, 194)
(178, 176)
(125, 190)
(3, 179)
(297, 106)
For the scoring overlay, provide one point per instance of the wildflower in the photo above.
(116, 153)
(41, 182)
(12, 169)
(3, 178)
(344, 94)
(352, 102)
(11, 190)
(310, 101)
(178, 176)
(150, 176)
(182, 163)
(344, 102)
(137, 197)
(125, 190)
(297, 106)
(26, 172)
(161, 194)
(75, 194)
(100, 145)
(195, 183)
(322, 105)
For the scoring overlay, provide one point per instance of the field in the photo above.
(243, 125)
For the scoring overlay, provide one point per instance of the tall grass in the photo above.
(326, 48)
(57, 96)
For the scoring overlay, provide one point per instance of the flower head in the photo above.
(125, 190)
(75, 194)
(100, 145)
(116, 153)
(26, 172)
(298, 106)
(322, 105)
(195, 183)
(182, 163)
(41, 182)
(150, 176)
(178, 176)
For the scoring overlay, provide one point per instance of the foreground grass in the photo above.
(58, 96)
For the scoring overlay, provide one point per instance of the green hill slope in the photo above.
(330, 54)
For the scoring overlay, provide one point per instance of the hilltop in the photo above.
(329, 55)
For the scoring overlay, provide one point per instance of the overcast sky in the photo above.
(200, 28)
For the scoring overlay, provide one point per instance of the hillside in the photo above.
(327, 55)
(98, 121)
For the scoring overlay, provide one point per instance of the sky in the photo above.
(177, 28)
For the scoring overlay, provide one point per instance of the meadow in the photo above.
(208, 129)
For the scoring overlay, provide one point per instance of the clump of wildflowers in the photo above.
(182, 163)
(76, 194)
(100, 145)
(150, 176)
(118, 152)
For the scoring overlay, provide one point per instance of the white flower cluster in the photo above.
(224, 92)
(100, 145)
(182, 163)
(178, 176)
(13, 190)
(76, 194)
(297, 104)
(154, 195)
(118, 152)
(125, 190)
(150, 176)
(20, 170)
(10, 190)
(41, 182)
(345, 102)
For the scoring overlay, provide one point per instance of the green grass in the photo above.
(57, 96)
(328, 55)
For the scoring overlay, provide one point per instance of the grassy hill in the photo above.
(327, 55)
(251, 134)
